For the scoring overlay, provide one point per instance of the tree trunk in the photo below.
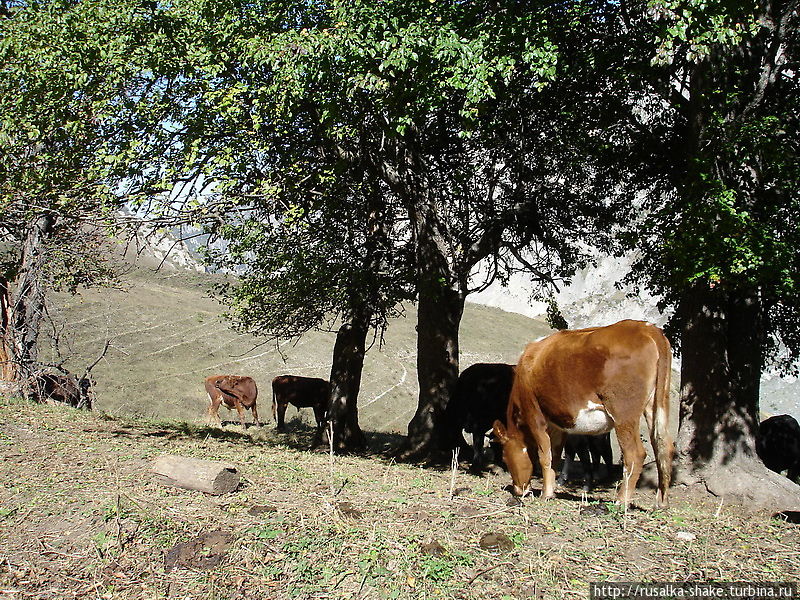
(27, 301)
(722, 357)
(722, 346)
(440, 305)
(438, 319)
(8, 372)
(348, 362)
(350, 347)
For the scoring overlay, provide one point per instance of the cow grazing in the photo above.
(778, 445)
(234, 391)
(589, 381)
(480, 398)
(64, 389)
(590, 449)
(301, 392)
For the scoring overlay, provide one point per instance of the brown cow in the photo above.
(589, 381)
(234, 391)
(302, 392)
(64, 389)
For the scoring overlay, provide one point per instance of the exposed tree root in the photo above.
(746, 482)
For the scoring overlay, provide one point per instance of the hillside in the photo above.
(81, 518)
(167, 336)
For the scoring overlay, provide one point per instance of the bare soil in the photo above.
(81, 518)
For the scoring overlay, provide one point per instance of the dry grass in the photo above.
(80, 518)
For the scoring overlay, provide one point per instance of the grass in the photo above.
(80, 517)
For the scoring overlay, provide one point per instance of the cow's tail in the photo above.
(274, 400)
(660, 435)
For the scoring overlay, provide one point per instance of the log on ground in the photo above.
(211, 477)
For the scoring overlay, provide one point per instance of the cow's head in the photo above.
(515, 455)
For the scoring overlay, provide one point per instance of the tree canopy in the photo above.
(450, 116)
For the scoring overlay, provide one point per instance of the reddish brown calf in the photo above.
(234, 391)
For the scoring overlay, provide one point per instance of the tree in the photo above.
(424, 104)
(323, 262)
(733, 256)
(77, 85)
(706, 129)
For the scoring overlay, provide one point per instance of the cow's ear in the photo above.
(500, 432)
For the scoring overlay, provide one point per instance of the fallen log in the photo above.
(209, 476)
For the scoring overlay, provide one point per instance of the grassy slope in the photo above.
(80, 518)
(167, 336)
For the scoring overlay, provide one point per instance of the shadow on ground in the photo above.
(381, 446)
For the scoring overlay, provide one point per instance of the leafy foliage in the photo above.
(701, 139)
(78, 85)
(450, 113)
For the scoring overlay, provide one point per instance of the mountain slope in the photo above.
(167, 336)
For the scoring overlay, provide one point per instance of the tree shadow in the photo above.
(386, 447)
(181, 430)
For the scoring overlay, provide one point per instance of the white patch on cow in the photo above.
(592, 420)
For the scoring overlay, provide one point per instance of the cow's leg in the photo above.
(633, 454)
(558, 440)
(586, 462)
(319, 416)
(281, 414)
(569, 459)
(545, 447)
(603, 451)
(240, 410)
(213, 411)
(255, 415)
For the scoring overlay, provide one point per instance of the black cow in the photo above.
(480, 397)
(590, 449)
(64, 389)
(778, 445)
(302, 392)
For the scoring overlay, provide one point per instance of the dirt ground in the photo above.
(80, 517)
